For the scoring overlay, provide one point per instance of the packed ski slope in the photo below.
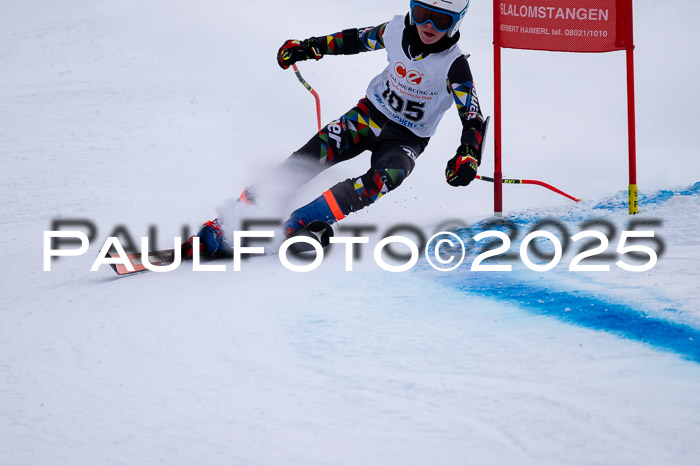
(134, 115)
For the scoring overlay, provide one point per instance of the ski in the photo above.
(319, 231)
(158, 258)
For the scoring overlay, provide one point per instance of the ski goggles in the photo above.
(440, 19)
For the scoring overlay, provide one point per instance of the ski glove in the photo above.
(461, 169)
(298, 50)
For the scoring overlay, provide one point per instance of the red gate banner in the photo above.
(564, 25)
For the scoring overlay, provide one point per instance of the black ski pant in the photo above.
(394, 151)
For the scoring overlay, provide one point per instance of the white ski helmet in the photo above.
(444, 15)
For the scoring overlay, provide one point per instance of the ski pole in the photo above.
(515, 181)
(313, 92)
(539, 183)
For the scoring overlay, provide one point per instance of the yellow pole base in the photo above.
(633, 198)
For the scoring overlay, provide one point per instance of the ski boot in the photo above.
(211, 236)
(211, 241)
(324, 208)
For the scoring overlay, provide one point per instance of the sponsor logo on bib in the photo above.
(411, 76)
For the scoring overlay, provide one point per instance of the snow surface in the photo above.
(152, 113)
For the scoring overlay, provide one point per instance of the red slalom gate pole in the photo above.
(631, 131)
(497, 171)
(313, 92)
(631, 135)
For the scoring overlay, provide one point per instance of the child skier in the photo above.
(427, 72)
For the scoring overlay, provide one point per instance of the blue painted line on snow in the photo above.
(586, 310)
(620, 200)
(594, 313)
